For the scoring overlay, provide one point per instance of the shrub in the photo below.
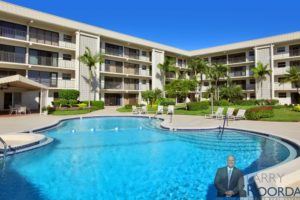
(271, 102)
(296, 108)
(63, 103)
(56, 103)
(202, 105)
(259, 112)
(128, 106)
(73, 102)
(97, 104)
(68, 94)
(82, 105)
(222, 102)
(167, 101)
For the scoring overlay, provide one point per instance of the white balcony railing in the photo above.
(68, 84)
(70, 64)
(283, 86)
(280, 70)
(144, 73)
(144, 87)
(68, 45)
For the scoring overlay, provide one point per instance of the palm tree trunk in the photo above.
(90, 85)
(201, 82)
(261, 89)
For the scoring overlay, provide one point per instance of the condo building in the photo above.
(39, 56)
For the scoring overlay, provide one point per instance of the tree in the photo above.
(198, 66)
(215, 73)
(260, 73)
(151, 95)
(90, 61)
(167, 66)
(180, 88)
(293, 76)
(231, 93)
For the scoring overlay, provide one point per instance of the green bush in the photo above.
(63, 103)
(82, 105)
(253, 102)
(68, 94)
(222, 102)
(167, 101)
(73, 102)
(202, 105)
(296, 108)
(128, 106)
(259, 112)
(97, 104)
(56, 103)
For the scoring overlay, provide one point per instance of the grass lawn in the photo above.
(72, 112)
(284, 115)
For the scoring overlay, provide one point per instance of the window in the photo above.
(55, 95)
(67, 38)
(280, 49)
(144, 67)
(252, 95)
(67, 57)
(144, 53)
(252, 81)
(43, 36)
(144, 82)
(38, 57)
(251, 53)
(46, 78)
(12, 30)
(66, 76)
(12, 53)
(206, 84)
(281, 64)
(282, 95)
(179, 62)
(280, 80)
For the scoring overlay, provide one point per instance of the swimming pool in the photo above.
(132, 158)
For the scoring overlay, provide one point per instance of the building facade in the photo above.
(45, 48)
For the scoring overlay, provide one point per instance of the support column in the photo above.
(77, 79)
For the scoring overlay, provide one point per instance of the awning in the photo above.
(19, 81)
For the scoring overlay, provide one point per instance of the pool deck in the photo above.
(286, 130)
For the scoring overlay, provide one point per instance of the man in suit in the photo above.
(229, 180)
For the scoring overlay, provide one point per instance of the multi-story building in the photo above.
(43, 50)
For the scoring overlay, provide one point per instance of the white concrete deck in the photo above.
(287, 130)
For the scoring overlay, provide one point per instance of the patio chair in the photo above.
(170, 110)
(134, 110)
(240, 115)
(216, 114)
(160, 110)
(12, 110)
(22, 110)
(229, 114)
(144, 110)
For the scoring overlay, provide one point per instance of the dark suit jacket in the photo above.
(236, 182)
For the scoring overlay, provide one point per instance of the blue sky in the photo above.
(188, 24)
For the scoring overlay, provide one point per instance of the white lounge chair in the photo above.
(217, 114)
(22, 110)
(160, 110)
(144, 110)
(229, 114)
(240, 115)
(134, 110)
(13, 110)
(170, 110)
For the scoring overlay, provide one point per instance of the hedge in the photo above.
(201, 105)
(253, 102)
(96, 104)
(222, 102)
(68, 94)
(259, 112)
(167, 101)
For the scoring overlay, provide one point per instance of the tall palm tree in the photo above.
(198, 66)
(215, 73)
(91, 61)
(167, 66)
(293, 76)
(260, 73)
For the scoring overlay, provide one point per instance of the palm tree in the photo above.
(293, 76)
(91, 61)
(260, 73)
(215, 73)
(167, 66)
(198, 66)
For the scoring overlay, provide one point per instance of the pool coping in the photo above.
(281, 167)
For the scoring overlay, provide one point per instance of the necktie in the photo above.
(229, 177)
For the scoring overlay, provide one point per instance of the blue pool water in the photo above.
(131, 158)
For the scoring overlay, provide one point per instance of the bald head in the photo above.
(230, 161)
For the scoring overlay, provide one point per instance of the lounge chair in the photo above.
(170, 110)
(134, 110)
(217, 114)
(240, 115)
(12, 110)
(229, 114)
(144, 110)
(22, 110)
(160, 110)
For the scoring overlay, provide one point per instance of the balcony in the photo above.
(281, 70)
(66, 84)
(131, 86)
(43, 60)
(250, 86)
(133, 71)
(219, 60)
(170, 75)
(13, 33)
(70, 64)
(144, 73)
(12, 57)
(294, 52)
(283, 86)
(113, 69)
(145, 58)
(68, 45)
(113, 51)
(232, 60)
(237, 73)
(144, 87)
(113, 85)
